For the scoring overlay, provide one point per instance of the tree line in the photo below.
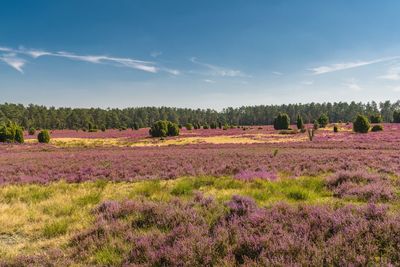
(38, 116)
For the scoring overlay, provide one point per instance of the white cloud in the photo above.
(353, 85)
(219, 71)
(348, 65)
(13, 61)
(277, 73)
(209, 81)
(17, 62)
(392, 74)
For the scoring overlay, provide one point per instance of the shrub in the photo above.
(377, 128)
(220, 125)
(189, 126)
(396, 116)
(159, 129)
(205, 126)
(300, 124)
(11, 132)
(135, 126)
(19, 135)
(173, 129)
(213, 125)
(103, 128)
(335, 128)
(375, 118)
(323, 120)
(226, 127)
(316, 125)
(282, 122)
(310, 133)
(31, 131)
(164, 129)
(44, 137)
(361, 124)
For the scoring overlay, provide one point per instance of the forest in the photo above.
(39, 116)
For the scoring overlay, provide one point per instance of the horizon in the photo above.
(198, 55)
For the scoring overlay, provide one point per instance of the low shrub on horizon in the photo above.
(44, 136)
(377, 128)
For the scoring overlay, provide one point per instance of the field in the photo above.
(251, 196)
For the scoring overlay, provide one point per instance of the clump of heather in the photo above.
(248, 175)
(181, 233)
(361, 185)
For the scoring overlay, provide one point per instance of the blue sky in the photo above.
(202, 54)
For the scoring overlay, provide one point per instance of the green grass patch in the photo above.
(54, 229)
(108, 256)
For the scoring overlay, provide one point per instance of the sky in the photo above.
(198, 54)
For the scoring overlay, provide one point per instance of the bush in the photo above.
(335, 128)
(282, 122)
(44, 137)
(19, 135)
(103, 128)
(173, 129)
(300, 124)
(323, 120)
(213, 125)
(135, 126)
(220, 125)
(189, 126)
(205, 126)
(11, 132)
(316, 125)
(31, 131)
(361, 124)
(375, 118)
(164, 129)
(396, 116)
(377, 128)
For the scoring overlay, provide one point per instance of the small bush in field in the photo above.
(316, 125)
(205, 126)
(31, 131)
(323, 120)
(299, 123)
(164, 129)
(282, 122)
(377, 128)
(189, 126)
(361, 124)
(213, 125)
(335, 128)
(375, 118)
(396, 116)
(11, 132)
(103, 128)
(44, 136)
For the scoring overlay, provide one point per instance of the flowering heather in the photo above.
(203, 233)
(362, 185)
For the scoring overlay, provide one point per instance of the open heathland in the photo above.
(208, 197)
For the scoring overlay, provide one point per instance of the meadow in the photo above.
(208, 197)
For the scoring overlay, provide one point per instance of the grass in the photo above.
(36, 217)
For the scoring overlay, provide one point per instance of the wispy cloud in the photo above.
(18, 63)
(13, 61)
(348, 65)
(277, 73)
(214, 70)
(209, 81)
(353, 85)
(392, 74)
